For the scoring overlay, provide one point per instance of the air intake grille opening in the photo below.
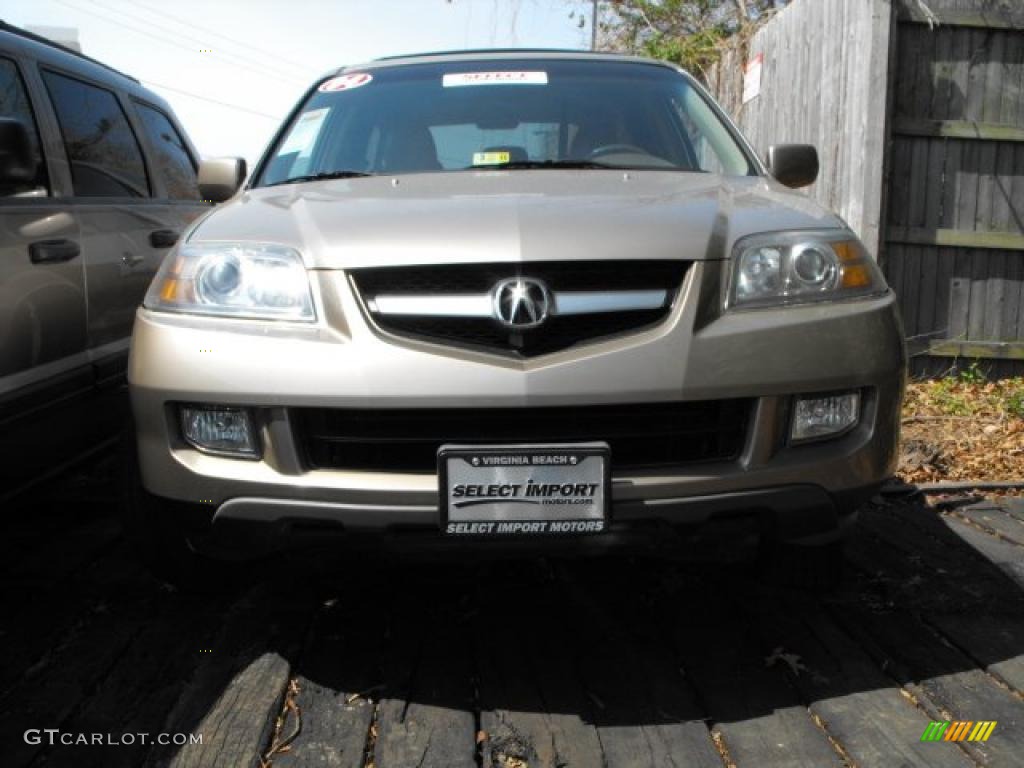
(648, 435)
(486, 333)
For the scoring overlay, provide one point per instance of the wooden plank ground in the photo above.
(137, 693)
(338, 678)
(857, 703)
(645, 712)
(621, 662)
(994, 520)
(53, 688)
(751, 704)
(943, 681)
(426, 716)
(534, 707)
(970, 604)
(235, 692)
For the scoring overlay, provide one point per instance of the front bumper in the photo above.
(803, 514)
(767, 356)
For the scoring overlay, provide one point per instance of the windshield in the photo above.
(529, 113)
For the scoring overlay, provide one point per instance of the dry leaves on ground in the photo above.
(963, 428)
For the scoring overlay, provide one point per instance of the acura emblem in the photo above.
(521, 302)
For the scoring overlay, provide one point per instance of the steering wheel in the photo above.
(616, 149)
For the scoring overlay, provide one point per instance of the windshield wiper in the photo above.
(322, 176)
(530, 164)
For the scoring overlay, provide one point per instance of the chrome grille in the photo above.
(455, 303)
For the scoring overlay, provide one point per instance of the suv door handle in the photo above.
(163, 238)
(53, 251)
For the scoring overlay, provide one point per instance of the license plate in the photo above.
(516, 490)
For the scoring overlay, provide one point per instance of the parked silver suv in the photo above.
(97, 181)
(512, 298)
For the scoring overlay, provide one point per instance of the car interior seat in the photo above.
(411, 148)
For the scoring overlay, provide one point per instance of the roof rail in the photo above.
(5, 27)
(477, 51)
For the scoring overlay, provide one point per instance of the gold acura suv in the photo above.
(500, 300)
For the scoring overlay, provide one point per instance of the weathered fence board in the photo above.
(956, 133)
(917, 110)
(824, 70)
(986, 14)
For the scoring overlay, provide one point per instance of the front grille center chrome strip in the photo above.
(482, 304)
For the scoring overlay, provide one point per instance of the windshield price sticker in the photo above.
(345, 82)
(524, 491)
(303, 134)
(456, 80)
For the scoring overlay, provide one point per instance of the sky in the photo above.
(232, 69)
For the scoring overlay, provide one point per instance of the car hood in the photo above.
(535, 215)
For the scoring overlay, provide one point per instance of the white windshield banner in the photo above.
(455, 80)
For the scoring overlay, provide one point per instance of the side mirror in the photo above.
(795, 165)
(220, 177)
(17, 165)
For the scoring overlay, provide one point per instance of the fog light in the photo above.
(225, 431)
(815, 417)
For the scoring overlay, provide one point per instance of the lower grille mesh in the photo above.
(407, 440)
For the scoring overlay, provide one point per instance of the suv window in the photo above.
(102, 149)
(14, 103)
(173, 161)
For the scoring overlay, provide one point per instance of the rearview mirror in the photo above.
(16, 163)
(795, 165)
(499, 120)
(220, 177)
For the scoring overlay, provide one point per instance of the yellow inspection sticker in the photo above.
(490, 158)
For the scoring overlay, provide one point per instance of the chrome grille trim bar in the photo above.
(482, 304)
(588, 302)
(436, 305)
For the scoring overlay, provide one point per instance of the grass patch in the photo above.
(968, 393)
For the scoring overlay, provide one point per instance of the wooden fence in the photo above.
(824, 68)
(917, 109)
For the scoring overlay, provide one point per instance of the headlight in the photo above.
(798, 267)
(234, 280)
